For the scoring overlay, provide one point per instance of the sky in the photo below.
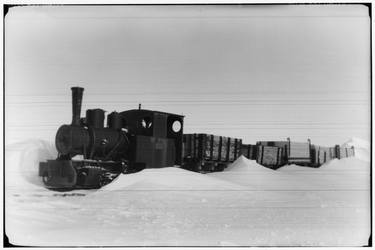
(247, 71)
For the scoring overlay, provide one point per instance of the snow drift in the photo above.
(22, 162)
(361, 148)
(242, 164)
(351, 163)
(171, 178)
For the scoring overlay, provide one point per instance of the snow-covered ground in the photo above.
(246, 205)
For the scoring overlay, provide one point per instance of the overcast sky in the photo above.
(253, 72)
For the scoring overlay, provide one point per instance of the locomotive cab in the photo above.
(155, 138)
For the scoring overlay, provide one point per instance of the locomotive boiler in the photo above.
(90, 155)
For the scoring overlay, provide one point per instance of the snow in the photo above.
(361, 148)
(357, 143)
(171, 178)
(351, 164)
(242, 164)
(245, 205)
(22, 161)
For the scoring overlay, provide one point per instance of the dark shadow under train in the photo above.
(91, 155)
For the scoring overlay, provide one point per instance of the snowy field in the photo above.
(246, 205)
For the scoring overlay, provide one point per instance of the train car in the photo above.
(292, 152)
(270, 156)
(344, 152)
(324, 155)
(249, 151)
(350, 152)
(332, 152)
(208, 153)
(299, 153)
(281, 144)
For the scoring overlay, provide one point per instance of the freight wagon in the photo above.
(275, 154)
(321, 155)
(249, 151)
(344, 152)
(208, 153)
(281, 144)
(270, 156)
(299, 153)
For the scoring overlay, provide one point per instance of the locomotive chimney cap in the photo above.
(77, 88)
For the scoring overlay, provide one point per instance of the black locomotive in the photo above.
(131, 141)
(91, 155)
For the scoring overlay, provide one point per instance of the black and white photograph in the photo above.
(187, 125)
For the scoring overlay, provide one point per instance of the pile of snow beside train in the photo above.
(247, 204)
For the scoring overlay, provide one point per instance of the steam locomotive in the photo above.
(91, 155)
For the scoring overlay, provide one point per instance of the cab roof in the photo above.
(146, 112)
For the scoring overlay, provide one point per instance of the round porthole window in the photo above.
(176, 126)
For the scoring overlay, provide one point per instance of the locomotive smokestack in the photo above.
(77, 93)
